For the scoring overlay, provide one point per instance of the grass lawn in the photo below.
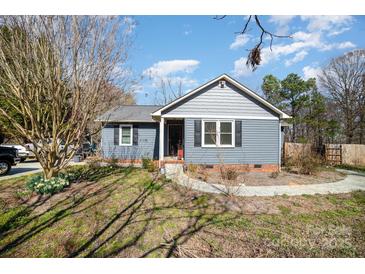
(128, 212)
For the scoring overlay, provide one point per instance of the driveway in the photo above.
(26, 168)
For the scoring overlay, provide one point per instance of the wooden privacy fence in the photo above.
(353, 154)
(295, 150)
(334, 154)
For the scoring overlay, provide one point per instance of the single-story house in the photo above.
(220, 122)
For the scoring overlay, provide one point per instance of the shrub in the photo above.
(192, 168)
(274, 175)
(114, 162)
(228, 173)
(306, 163)
(148, 164)
(41, 185)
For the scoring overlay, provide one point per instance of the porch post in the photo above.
(161, 146)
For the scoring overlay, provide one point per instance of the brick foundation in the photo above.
(216, 167)
(247, 167)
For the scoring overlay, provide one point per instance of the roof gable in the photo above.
(228, 79)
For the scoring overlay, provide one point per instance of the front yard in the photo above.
(129, 212)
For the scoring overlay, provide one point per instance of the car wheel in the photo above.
(4, 167)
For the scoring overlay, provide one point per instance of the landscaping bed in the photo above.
(325, 175)
(130, 212)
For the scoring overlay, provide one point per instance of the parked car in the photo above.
(30, 147)
(8, 157)
(23, 153)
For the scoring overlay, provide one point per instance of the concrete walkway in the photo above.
(353, 181)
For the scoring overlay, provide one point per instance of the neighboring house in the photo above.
(220, 122)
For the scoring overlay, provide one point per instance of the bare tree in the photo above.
(254, 56)
(343, 79)
(53, 71)
(167, 91)
(111, 96)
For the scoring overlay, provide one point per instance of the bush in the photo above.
(41, 185)
(192, 168)
(148, 164)
(274, 175)
(305, 163)
(228, 173)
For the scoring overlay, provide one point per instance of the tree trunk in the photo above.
(50, 172)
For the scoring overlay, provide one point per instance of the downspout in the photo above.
(279, 154)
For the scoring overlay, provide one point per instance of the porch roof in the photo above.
(129, 113)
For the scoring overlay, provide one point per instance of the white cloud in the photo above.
(165, 68)
(299, 56)
(173, 71)
(282, 23)
(328, 22)
(302, 41)
(346, 45)
(311, 72)
(281, 19)
(240, 41)
(319, 28)
(240, 68)
(338, 32)
(187, 29)
(343, 45)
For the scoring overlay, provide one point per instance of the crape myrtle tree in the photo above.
(53, 71)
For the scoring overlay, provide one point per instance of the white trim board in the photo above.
(219, 117)
(218, 133)
(229, 79)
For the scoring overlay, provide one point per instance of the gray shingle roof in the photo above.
(129, 113)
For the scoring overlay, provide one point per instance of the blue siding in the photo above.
(216, 101)
(260, 145)
(148, 136)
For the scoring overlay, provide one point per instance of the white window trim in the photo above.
(120, 134)
(218, 132)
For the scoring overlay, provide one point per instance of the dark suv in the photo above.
(8, 157)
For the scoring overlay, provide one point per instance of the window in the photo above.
(210, 133)
(125, 134)
(218, 133)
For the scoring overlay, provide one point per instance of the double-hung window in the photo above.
(125, 135)
(218, 133)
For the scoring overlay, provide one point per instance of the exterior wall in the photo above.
(148, 142)
(220, 102)
(260, 145)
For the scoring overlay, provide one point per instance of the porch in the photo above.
(171, 147)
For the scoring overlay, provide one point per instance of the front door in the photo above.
(175, 138)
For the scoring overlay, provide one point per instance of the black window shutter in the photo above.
(116, 135)
(238, 133)
(135, 135)
(197, 133)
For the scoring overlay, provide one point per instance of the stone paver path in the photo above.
(353, 181)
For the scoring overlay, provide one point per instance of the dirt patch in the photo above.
(269, 179)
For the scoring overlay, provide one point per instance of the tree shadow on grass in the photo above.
(75, 199)
(142, 209)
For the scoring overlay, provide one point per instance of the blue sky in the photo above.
(194, 49)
